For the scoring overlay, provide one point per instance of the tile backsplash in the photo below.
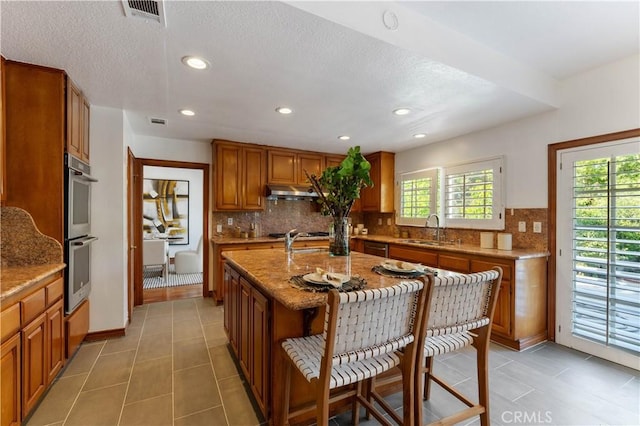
(283, 215)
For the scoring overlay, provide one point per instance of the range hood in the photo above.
(290, 192)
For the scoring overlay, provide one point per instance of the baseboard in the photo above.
(104, 334)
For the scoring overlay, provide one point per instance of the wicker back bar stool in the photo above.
(364, 332)
(460, 315)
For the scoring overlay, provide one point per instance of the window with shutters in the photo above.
(418, 196)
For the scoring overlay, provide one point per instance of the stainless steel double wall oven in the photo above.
(78, 237)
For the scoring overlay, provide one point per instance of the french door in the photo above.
(598, 259)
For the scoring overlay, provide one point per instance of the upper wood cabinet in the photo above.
(333, 160)
(287, 167)
(240, 176)
(77, 122)
(3, 176)
(379, 198)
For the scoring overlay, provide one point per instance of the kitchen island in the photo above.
(262, 307)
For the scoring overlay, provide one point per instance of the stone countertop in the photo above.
(15, 279)
(455, 248)
(237, 240)
(270, 270)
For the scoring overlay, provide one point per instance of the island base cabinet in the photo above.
(10, 391)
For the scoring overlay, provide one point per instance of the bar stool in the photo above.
(363, 333)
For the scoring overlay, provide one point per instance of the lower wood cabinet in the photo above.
(77, 327)
(34, 362)
(247, 325)
(10, 381)
(55, 339)
(519, 320)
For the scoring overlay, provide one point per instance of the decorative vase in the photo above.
(339, 237)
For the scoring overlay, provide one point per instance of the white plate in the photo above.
(315, 278)
(406, 267)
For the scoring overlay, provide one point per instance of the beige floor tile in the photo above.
(157, 325)
(155, 346)
(56, 405)
(138, 316)
(211, 417)
(214, 334)
(98, 407)
(150, 412)
(236, 402)
(110, 369)
(185, 314)
(124, 343)
(150, 379)
(161, 309)
(184, 304)
(195, 389)
(83, 360)
(190, 353)
(187, 330)
(223, 364)
(211, 314)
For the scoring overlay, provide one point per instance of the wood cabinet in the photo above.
(77, 122)
(286, 167)
(333, 160)
(55, 340)
(3, 168)
(519, 320)
(34, 357)
(76, 328)
(240, 176)
(10, 362)
(379, 197)
(247, 327)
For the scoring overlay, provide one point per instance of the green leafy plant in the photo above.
(339, 186)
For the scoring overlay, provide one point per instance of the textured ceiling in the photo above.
(459, 66)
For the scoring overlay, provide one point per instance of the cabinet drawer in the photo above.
(33, 305)
(54, 291)
(408, 254)
(482, 265)
(453, 263)
(10, 322)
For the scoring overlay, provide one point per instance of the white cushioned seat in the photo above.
(189, 261)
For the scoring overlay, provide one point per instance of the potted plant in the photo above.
(338, 187)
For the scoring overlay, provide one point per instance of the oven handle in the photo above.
(84, 241)
(82, 174)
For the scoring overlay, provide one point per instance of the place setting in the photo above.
(400, 269)
(323, 281)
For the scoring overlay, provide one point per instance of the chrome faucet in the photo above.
(426, 225)
(289, 239)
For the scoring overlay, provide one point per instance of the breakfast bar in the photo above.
(263, 307)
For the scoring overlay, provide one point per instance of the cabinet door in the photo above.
(234, 296)
(333, 160)
(74, 119)
(370, 196)
(86, 121)
(225, 302)
(282, 167)
(55, 336)
(3, 173)
(34, 362)
(409, 254)
(502, 314)
(10, 382)
(312, 163)
(260, 348)
(245, 326)
(228, 176)
(77, 327)
(254, 166)
(453, 263)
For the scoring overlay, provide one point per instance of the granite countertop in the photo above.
(455, 248)
(18, 278)
(238, 240)
(270, 270)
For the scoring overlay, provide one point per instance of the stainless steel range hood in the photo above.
(290, 192)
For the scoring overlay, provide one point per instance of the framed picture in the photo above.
(165, 210)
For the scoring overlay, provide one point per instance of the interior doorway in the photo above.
(187, 227)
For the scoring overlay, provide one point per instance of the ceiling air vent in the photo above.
(160, 121)
(146, 9)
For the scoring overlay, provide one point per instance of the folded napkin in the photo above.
(404, 266)
(334, 279)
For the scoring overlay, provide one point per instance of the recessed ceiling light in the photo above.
(344, 137)
(401, 111)
(195, 62)
(187, 112)
(420, 135)
(284, 110)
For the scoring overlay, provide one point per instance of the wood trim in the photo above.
(205, 167)
(552, 182)
(105, 334)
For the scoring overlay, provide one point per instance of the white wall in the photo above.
(108, 220)
(196, 198)
(171, 149)
(603, 100)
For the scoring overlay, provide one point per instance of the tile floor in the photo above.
(173, 368)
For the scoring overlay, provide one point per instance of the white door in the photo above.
(598, 259)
